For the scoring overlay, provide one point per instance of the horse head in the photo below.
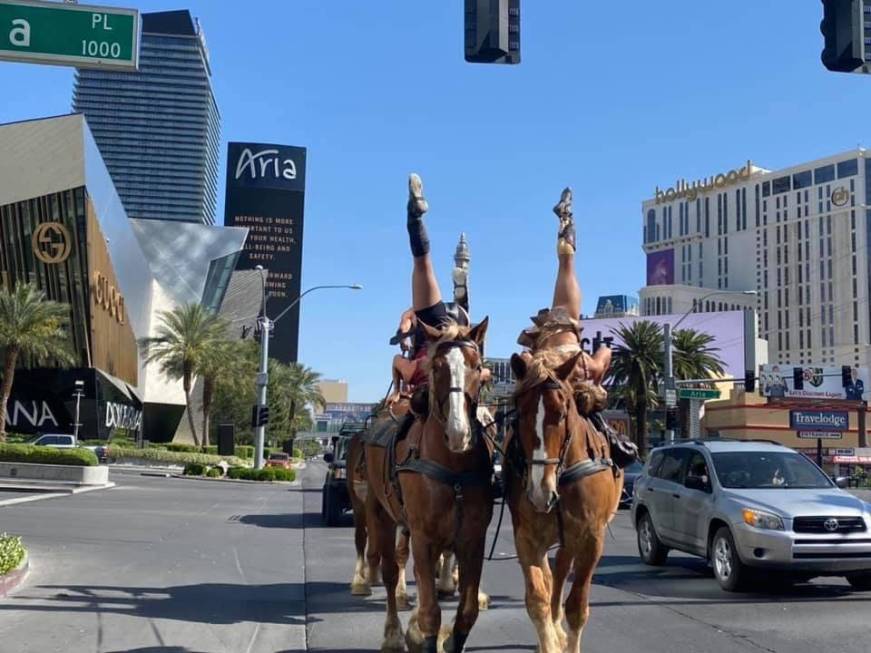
(456, 367)
(545, 408)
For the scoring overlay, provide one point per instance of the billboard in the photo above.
(728, 329)
(776, 381)
(660, 268)
(266, 194)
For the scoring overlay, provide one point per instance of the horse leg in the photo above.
(578, 601)
(470, 557)
(359, 583)
(402, 555)
(423, 628)
(386, 537)
(446, 585)
(536, 574)
(561, 572)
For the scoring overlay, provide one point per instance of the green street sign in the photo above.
(69, 35)
(698, 393)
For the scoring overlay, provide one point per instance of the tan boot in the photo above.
(566, 235)
(417, 204)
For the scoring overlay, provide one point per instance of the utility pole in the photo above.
(262, 381)
(80, 386)
(668, 380)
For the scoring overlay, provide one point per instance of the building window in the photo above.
(766, 188)
(780, 185)
(802, 180)
(848, 168)
(824, 174)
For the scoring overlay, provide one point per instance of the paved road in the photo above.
(160, 565)
(634, 608)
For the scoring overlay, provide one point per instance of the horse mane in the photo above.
(447, 333)
(540, 368)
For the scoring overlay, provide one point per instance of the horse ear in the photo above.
(565, 370)
(479, 331)
(518, 366)
(431, 332)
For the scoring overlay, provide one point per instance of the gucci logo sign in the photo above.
(51, 242)
(108, 297)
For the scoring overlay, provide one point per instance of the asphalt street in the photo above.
(634, 608)
(159, 565)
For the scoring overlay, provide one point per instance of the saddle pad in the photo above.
(381, 432)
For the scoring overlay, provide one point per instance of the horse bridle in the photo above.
(548, 384)
(473, 401)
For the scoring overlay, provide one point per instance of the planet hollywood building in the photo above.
(64, 229)
(798, 237)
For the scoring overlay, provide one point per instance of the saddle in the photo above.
(623, 452)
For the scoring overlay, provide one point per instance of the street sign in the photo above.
(698, 393)
(670, 398)
(820, 435)
(69, 35)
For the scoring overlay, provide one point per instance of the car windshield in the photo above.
(634, 468)
(768, 470)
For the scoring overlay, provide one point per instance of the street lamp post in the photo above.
(667, 330)
(78, 394)
(266, 327)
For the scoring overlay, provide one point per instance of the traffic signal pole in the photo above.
(262, 380)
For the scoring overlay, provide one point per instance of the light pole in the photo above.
(266, 327)
(78, 394)
(668, 372)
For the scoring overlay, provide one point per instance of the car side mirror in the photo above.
(328, 457)
(842, 482)
(699, 483)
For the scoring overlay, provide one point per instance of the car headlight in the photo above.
(765, 520)
(340, 473)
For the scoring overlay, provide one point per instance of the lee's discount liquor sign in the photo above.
(69, 34)
(266, 194)
(819, 420)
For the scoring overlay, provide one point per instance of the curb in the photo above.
(53, 495)
(231, 480)
(15, 577)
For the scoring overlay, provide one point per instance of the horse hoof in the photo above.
(483, 601)
(413, 636)
(361, 589)
(403, 603)
(446, 639)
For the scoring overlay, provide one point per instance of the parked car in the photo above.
(630, 474)
(748, 506)
(279, 459)
(66, 441)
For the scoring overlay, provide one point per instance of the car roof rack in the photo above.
(702, 441)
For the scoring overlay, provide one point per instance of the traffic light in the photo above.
(492, 31)
(749, 381)
(846, 375)
(844, 26)
(259, 416)
(797, 378)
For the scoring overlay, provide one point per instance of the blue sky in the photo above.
(611, 101)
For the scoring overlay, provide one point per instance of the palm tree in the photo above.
(185, 339)
(224, 364)
(635, 370)
(30, 325)
(694, 358)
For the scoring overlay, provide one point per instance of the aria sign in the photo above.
(691, 191)
(51, 242)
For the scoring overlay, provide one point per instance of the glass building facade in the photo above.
(158, 129)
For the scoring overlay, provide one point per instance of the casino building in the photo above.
(64, 228)
(799, 237)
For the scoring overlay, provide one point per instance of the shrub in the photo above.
(297, 452)
(28, 453)
(265, 474)
(170, 457)
(11, 553)
(17, 438)
(180, 446)
(194, 469)
(214, 472)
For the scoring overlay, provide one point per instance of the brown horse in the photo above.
(436, 483)
(563, 488)
(367, 568)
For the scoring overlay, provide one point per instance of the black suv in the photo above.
(335, 500)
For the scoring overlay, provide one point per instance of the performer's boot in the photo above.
(417, 207)
(566, 236)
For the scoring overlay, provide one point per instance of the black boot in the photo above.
(417, 207)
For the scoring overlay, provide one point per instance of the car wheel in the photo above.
(650, 548)
(860, 582)
(730, 572)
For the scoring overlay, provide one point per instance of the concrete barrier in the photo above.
(67, 473)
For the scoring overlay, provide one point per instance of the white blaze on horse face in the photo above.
(537, 493)
(458, 431)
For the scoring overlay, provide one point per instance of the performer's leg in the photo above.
(424, 285)
(567, 292)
